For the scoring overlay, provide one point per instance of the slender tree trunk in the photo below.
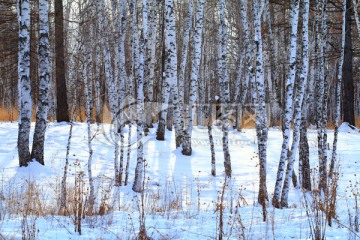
(103, 22)
(184, 56)
(299, 96)
(288, 110)
(275, 91)
(249, 54)
(62, 110)
(196, 56)
(128, 156)
(63, 196)
(322, 102)
(348, 82)
(170, 73)
(338, 91)
(87, 76)
(123, 80)
(224, 88)
(24, 84)
(304, 157)
(139, 74)
(356, 15)
(150, 108)
(43, 101)
(258, 88)
(208, 114)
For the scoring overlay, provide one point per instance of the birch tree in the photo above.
(109, 76)
(299, 96)
(288, 109)
(195, 63)
(338, 89)
(87, 76)
(274, 69)
(24, 87)
(151, 51)
(184, 56)
(139, 78)
(249, 55)
(44, 72)
(224, 87)
(170, 87)
(123, 79)
(321, 103)
(258, 89)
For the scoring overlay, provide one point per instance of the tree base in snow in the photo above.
(186, 146)
(160, 133)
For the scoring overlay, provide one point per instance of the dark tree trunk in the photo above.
(304, 163)
(62, 111)
(348, 81)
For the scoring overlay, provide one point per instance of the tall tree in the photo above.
(62, 110)
(87, 35)
(288, 109)
(299, 96)
(151, 61)
(258, 89)
(321, 101)
(195, 66)
(184, 56)
(139, 78)
(103, 22)
(348, 83)
(170, 86)
(224, 87)
(123, 80)
(44, 72)
(338, 90)
(24, 85)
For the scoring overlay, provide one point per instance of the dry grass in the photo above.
(27, 197)
(7, 115)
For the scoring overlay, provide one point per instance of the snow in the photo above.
(346, 128)
(181, 195)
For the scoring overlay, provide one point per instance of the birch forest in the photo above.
(133, 70)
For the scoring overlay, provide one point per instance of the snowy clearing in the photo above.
(181, 200)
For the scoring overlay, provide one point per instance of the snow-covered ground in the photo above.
(181, 197)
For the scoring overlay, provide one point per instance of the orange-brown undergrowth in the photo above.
(7, 115)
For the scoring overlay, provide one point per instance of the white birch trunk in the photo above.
(122, 86)
(298, 106)
(224, 87)
(184, 56)
(110, 82)
(288, 109)
(321, 104)
(196, 56)
(43, 101)
(249, 58)
(63, 196)
(152, 17)
(138, 59)
(87, 76)
(258, 88)
(339, 85)
(24, 85)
